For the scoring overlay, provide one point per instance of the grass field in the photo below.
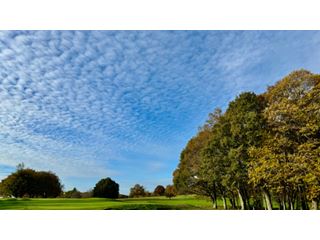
(151, 203)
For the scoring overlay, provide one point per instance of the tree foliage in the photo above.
(170, 191)
(106, 188)
(137, 191)
(263, 148)
(74, 193)
(159, 190)
(288, 161)
(30, 183)
(184, 177)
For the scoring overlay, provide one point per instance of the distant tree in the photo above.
(137, 191)
(48, 185)
(148, 194)
(87, 194)
(123, 196)
(74, 193)
(20, 183)
(30, 183)
(106, 188)
(20, 166)
(159, 190)
(170, 191)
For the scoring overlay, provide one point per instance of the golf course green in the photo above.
(185, 202)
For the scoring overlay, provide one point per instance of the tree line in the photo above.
(264, 150)
(139, 191)
(26, 182)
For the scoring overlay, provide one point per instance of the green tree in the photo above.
(106, 188)
(20, 183)
(48, 185)
(30, 183)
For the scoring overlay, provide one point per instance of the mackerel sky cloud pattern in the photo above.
(92, 104)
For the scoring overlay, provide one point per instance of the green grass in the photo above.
(187, 202)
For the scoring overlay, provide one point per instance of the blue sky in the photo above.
(123, 104)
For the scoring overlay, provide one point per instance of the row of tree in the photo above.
(263, 150)
(107, 188)
(26, 182)
(139, 191)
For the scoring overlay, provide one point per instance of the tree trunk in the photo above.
(300, 204)
(292, 200)
(214, 205)
(264, 202)
(267, 199)
(214, 201)
(224, 203)
(283, 204)
(303, 200)
(236, 201)
(247, 203)
(242, 201)
(233, 203)
(304, 204)
(291, 204)
(314, 205)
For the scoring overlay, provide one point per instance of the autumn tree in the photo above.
(170, 191)
(225, 159)
(159, 190)
(137, 191)
(263, 148)
(184, 177)
(308, 157)
(287, 163)
(212, 165)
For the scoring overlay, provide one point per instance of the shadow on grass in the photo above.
(151, 207)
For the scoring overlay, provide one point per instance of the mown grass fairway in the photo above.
(150, 203)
